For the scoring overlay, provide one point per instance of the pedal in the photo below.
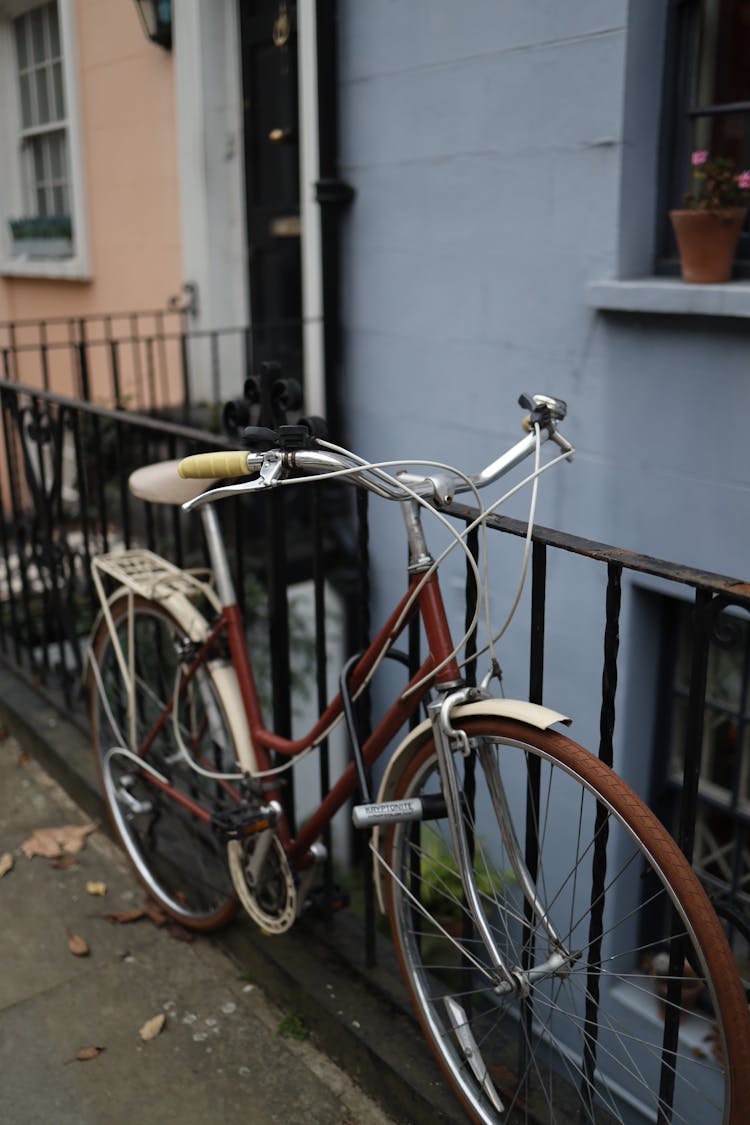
(242, 821)
(322, 901)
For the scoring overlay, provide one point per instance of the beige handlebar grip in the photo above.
(216, 465)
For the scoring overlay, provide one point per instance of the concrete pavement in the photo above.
(219, 1056)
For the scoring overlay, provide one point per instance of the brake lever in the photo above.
(270, 474)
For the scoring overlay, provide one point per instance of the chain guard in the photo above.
(271, 900)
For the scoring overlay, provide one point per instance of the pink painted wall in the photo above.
(132, 189)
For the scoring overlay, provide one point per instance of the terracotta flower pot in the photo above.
(707, 241)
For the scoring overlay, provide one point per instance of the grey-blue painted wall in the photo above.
(504, 155)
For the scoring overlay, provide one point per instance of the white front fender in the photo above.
(532, 713)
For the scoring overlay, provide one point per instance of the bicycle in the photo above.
(531, 894)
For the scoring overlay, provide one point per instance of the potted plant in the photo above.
(709, 226)
(42, 236)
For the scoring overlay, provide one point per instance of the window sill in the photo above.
(671, 296)
(54, 269)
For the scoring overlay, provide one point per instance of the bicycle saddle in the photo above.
(161, 484)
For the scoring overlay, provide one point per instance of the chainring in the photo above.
(271, 901)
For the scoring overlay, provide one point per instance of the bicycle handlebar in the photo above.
(440, 486)
(231, 463)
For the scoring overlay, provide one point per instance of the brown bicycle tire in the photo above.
(227, 910)
(728, 994)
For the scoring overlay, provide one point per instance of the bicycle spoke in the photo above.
(603, 993)
(175, 854)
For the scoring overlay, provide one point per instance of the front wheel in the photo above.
(585, 1039)
(175, 854)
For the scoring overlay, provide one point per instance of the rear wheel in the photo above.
(584, 1041)
(176, 855)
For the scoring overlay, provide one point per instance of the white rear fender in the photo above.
(531, 713)
(226, 683)
(223, 674)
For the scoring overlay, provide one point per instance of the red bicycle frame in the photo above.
(424, 597)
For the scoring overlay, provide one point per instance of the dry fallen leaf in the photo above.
(96, 888)
(6, 863)
(125, 916)
(63, 862)
(157, 916)
(78, 945)
(179, 933)
(86, 1053)
(51, 842)
(152, 1027)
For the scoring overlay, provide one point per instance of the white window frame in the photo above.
(77, 267)
(633, 286)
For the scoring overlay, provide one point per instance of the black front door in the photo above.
(269, 68)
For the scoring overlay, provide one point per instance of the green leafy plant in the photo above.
(716, 184)
(294, 1026)
(441, 890)
(41, 226)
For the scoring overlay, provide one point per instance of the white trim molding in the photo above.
(208, 99)
(669, 295)
(313, 348)
(78, 266)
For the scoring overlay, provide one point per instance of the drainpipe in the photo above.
(322, 197)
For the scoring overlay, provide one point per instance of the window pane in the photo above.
(26, 118)
(36, 18)
(723, 76)
(38, 159)
(724, 52)
(715, 838)
(745, 862)
(56, 158)
(726, 662)
(720, 736)
(42, 103)
(63, 147)
(59, 97)
(20, 26)
(42, 99)
(721, 854)
(54, 31)
(728, 135)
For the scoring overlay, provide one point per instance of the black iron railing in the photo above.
(64, 465)
(145, 361)
(712, 596)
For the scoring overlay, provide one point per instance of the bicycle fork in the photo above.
(508, 978)
(447, 738)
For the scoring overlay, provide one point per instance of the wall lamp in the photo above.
(156, 19)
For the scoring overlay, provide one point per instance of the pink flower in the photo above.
(743, 181)
(699, 157)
